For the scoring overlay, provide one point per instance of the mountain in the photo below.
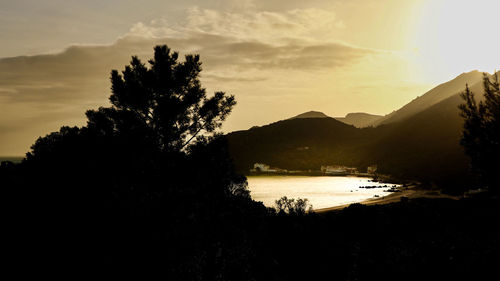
(426, 145)
(311, 114)
(359, 119)
(432, 97)
(298, 143)
(423, 146)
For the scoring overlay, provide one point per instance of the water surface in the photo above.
(322, 192)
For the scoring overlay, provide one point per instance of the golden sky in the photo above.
(279, 58)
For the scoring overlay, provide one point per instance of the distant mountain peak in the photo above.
(353, 114)
(311, 114)
(472, 72)
(359, 119)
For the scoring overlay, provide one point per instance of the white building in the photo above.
(264, 168)
(260, 167)
(371, 169)
(337, 169)
(333, 169)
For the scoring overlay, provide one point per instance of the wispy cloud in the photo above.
(309, 24)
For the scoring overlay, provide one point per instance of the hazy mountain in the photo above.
(432, 97)
(359, 119)
(311, 114)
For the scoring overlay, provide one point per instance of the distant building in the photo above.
(337, 169)
(264, 168)
(260, 167)
(333, 169)
(352, 170)
(371, 169)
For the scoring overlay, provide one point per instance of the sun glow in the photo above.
(455, 36)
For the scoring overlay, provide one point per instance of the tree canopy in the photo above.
(158, 111)
(150, 164)
(164, 102)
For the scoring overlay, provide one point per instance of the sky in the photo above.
(278, 57)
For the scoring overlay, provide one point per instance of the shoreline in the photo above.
(410, 192)
(313, 174)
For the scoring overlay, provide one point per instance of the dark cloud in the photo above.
(80, 72)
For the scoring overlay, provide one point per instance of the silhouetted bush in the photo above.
(292, 206)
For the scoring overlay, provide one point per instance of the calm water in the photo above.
(322, 192)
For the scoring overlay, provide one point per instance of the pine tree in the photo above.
(481, 132)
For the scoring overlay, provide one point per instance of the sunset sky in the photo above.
(278, 57)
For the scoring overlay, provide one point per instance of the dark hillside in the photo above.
(298, 144)
(425, 147)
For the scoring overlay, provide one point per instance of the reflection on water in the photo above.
(322, 192)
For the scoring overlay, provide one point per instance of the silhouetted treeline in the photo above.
(179, 238)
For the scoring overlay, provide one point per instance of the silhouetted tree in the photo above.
(481, 131)
(158, 110)
(149, 174)
(164, 102)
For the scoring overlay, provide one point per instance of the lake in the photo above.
(322, 192)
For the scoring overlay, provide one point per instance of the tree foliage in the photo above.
(481, 131)
(164, 103)
(158, 111)
(148, 176)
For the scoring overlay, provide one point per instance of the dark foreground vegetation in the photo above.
(147, 189)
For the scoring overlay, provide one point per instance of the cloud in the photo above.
(239, 42)
(240, 51)
(311, 24)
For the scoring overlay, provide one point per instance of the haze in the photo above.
(279, 58)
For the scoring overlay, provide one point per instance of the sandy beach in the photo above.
(410, 192)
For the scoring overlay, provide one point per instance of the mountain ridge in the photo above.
(311, 114)
(431, 97)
